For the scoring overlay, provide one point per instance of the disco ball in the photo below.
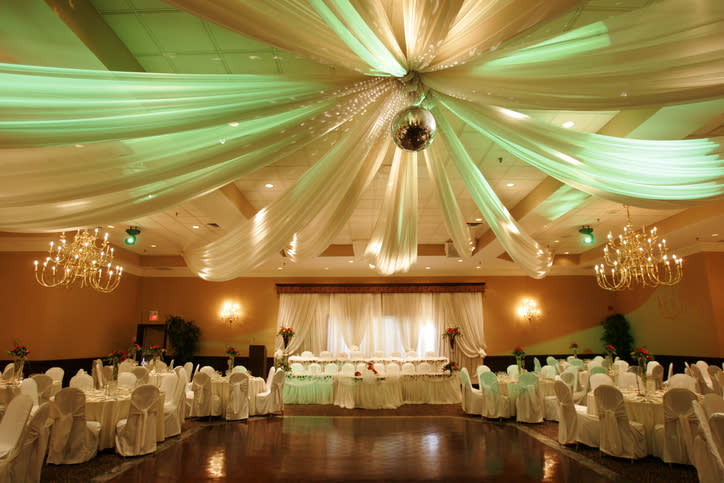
(413, 129)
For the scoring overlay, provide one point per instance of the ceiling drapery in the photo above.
(83, 148)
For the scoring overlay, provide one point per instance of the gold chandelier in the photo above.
(86, 261)
(637, 257)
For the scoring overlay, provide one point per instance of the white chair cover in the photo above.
(620, 366)
(30, 388)
(297, 369)
(72, 438)
(512, 370)
(315, 369)
(238, 404)
(551, 361)
(82, 381)
(528, 406)
(325, 355)
(308, 354)
(706, 457)
(392, 369)
(411, 355)
(272, 400)
(136, 435)
(45, 387)
(574, 424)
(495, 405)
(619, 436)
(408, 368)
(9, 371)
(97, 373)
(182, 375)
(269, 376)
(595, 362)
(704, 386)
(424, 368)
(482, 368)
(141, 374)
(127, 380)
(712, 403)
(208, 370)
(716, 422)
(173, 413)
(332, 368)
(204, 403)
(108, 374)
(31, 457)
(347, 369)
(472, 400)
(675, 437)
(670, 372)
(240, 369)
(12, 426)
(682, 380)
(127, 366)
(548, 372)
(536, 365)
(56, 373)
(627, 379)
(189, 368)
(704, 369)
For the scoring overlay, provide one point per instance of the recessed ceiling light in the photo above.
(566, 253)
(568, 124)
(427, 268)
(372, 267)
(280, 268)
(153, 245)
(222, 141)
(233, 124)
(715, 234)
(111, 226)
(326, 268)
(510, 185)
(460, 260)
(478, 219)
(195, 227)
(80, 145)
(268, 185)
(350, 261)
(478, 267)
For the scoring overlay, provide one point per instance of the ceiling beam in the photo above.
(237, 198)
(86, 23)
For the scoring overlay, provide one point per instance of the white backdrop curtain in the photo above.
(307, 314)
(465, 311)
(352, 315)
(412, 312)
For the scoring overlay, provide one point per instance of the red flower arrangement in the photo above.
(450, 366)
(574, 345)
(115, 357)
(610, 350)
(286, 332)
(518, 352)
(19, 352)
(371, 367)
(231, 352)
(451, 332)
(642, 353)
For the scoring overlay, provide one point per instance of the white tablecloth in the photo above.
(8, 391)
(437, 363)
(109, 409)
(220, 387)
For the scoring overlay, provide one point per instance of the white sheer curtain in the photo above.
(307, 314)
(463, 310)
(411, 311)
(352, 315)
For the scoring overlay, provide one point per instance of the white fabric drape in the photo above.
(465, 311)
(412, 313)
(308, 315)
(352, 314)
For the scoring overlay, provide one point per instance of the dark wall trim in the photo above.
(380, 288)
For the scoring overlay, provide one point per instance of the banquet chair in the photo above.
(141, 374)
(297, 369)
(430, 354)
(72, 438)
(136, 434)
(408, 368)
(271, 401)
(45, 387)
(703, 386)
(512, 370)
(30, 458)
(29, 387)
(12, 433)
(704, 368)
(108, 374)
(716, 422)
(597, 370)
(342, 356)
(127, 365)
(348, 369)
(270, 374)
(575, 385)
(547, 372)
(536, 365)
(82, 381)
(619, 436)
(203, 402)
(8, 371)
(657, 375)
(593, 382)
(575, 425)
(705, 456)
(208, 370)
(627, 380)
(577, 362)
(424, 368)
(181, 374)
(670, 372)
(472, 399)
(315, 369)
(682, 380)
(620, 366)
(167, 386)
(241, 369)
(127, 380)
(174, 409)
(356, 355)
(56, 373)
(308, 354)
(411, 355)
(238, 405)
(551, 361)
(325, 355)
(569, 379)
(482, 368)
(528, 407)
(97, 373)
(714, 374)
(392, 369)
(596, 361)
(189, 368)
(714, 371)
(495, 405)
(712, 403)
(331, 368)
(673, 440)
(396, 355)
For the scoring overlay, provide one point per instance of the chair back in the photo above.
(315, 368)
(141, 374)
(82, 381)
(347, 369)
(483, 368)
(325, 355)
(56, 373)
(45, 387)
(127, 380)
(678, 435)
(12, 426)
(716, 422)
(31, 455)
(612, 415)
(183, 377)
(238, 405)
(189, 368)
(411, 355)
(331, 368)
(392, 368)
(29, 387)
(201, 387)
(240, 369)
(168, 386)
(682, 380)
(551, 361)
(208, 370)
(627, 379)
(408, 368)
(595, 362)
(548, 372)
(598, 379)
(138, 436)
(297, 369)
(108, 374)
(68, 437)
(712, 403)
(536, 365)
(512, 370)
(97, 373)
(621, 366)
(127, 365)
(569, 379)
(489, 380)
(707, 458)
(424, 368)
(9, 371)
(308, 354)
(657, 375)
(577, 362)
(597, 370)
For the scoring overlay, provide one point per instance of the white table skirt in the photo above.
(220, 387)
(436, 362)
(372, 392)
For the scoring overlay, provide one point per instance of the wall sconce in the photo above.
(230, 313)
(529, 310)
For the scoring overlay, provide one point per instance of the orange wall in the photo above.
(686, 319)
(60, 323)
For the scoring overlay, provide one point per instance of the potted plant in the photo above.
(184, 337)
(617, 332)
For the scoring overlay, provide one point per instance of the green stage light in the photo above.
(131, 238)
(587, 233)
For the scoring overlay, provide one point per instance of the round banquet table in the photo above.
(109, 409)
(8, 390)
(220, 387)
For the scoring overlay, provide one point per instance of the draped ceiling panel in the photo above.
(85, 148)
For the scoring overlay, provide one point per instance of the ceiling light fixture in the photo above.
(568, 124)
(86, 261)
(587, 233)
(637, 257)
(131, 238)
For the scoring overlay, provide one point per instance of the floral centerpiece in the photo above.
(642, 357)
(155, 352)
(450, 334)
(610, 352)
(371, 367)
(519, 354)
(287, 333)
(283, 365)
(450, 366)
(574, 348)
(115, 358)
(133, 350)
(19, 353)
(231, 354)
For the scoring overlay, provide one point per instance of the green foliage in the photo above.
(184, 337)
(617, 332)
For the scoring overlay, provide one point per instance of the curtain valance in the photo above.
(381, 288)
